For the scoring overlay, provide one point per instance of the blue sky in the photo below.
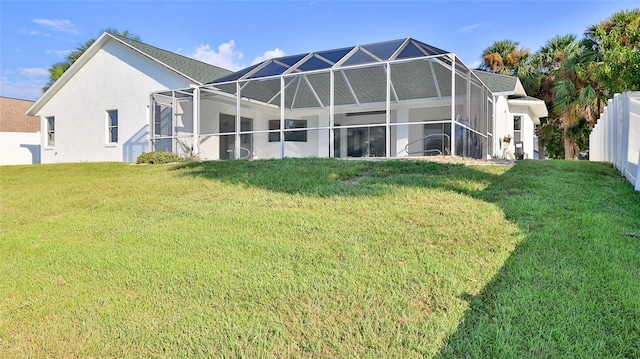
(36, 34)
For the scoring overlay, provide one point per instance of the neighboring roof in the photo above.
(13, 118)
(199, 71)
(501, 84)
(193, 70)
(336, 58)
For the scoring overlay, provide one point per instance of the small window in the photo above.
(517, 128)
(112, 126)
(293, 136)
(51, 131)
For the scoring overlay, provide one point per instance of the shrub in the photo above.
(158, 157)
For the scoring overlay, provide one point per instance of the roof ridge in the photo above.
(196, 71)
(402, 40)
(15, 98)
(164, 50)
(497, 83)
(421, 48)
(493, 73)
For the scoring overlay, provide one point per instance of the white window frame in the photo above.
(110, 128)
(518, 119)
(51, 131)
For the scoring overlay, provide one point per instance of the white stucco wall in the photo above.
(417, 132)
(19, 148)
(210, 111)
(527, 128)
(504, 126)
(115, 78)
(317, 144)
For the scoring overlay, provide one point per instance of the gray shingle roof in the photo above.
(194, 69)
(497, 82)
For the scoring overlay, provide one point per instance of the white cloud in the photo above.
(34, 71)
(226, 57)
(306, 6)
(58, 25)
(474, 26)
(475, 64)
(268, 55)
(24, 84)
(26, 89)
(60, 53)
(33, 33)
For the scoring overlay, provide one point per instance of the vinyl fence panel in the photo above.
(616, 136)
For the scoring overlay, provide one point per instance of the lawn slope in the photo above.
(316, 257)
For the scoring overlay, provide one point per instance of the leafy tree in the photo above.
(574, 77)
(561, 74)
(56, 70)
(607, 61)
(615, 44)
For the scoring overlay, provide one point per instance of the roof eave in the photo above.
(503, 93)
(537, 107)
(92, 50)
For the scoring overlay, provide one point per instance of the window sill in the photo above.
(111, 145)
(49, 148)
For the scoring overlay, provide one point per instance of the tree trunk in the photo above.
(541, 144)
(568, 148)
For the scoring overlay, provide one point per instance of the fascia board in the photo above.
(537, 108)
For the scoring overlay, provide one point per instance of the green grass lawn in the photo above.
(319, 258)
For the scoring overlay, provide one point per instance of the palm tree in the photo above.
(74, 55)
(576, 97)
(122, 33)
(504, 57)
(551, 57)
(547, 62)
(56, 70)
(556, 51)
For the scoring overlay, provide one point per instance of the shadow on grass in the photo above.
(331, 177)
(571, 288)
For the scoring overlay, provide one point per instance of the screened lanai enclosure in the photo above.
(390, 99)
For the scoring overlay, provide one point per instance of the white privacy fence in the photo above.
(616, 136)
